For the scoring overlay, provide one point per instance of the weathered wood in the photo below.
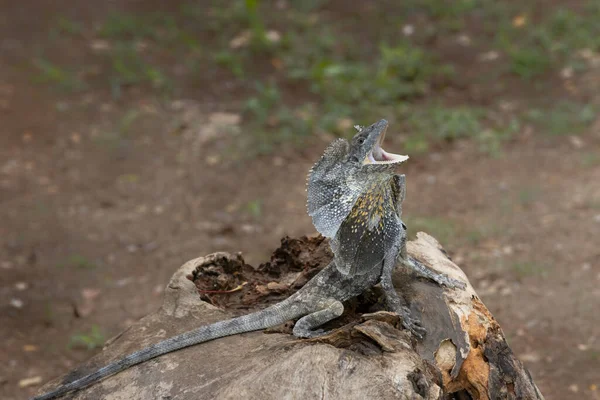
(464, 351)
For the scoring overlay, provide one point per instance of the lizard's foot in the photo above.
(412, 324)
(440, 279)
(306, 327)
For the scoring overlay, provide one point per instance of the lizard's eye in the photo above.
(360, 140)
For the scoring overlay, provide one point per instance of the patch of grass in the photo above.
(416, 143)
(535, 47)
(528, 62)
(563, 118)
(526, 269)
(529, 195)
(447, 123)
(491, 140)
(481, 232)
(91, 340)
(232, 61)
(77, 261)
(255, 208)
(57, 76)
(590, 159)
(428, 124)
(116, 139)
(447, 9)
(127, 121)
(159, 27)
(443, 230)
(65, 25)
(129, 68)
(272, 122)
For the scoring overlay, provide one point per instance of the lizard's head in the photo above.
(365, 148)
(344, 172)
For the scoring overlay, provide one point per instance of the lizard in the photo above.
(355, 199)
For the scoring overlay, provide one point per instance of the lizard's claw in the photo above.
(412, 324)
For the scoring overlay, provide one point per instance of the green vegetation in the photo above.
(526, 269)
(254, 208)
(78, 261)
(564, 118)
(301, 71)
(89, 341)
(56, 76)
(590, 159)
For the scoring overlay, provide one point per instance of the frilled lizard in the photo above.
(354, 198)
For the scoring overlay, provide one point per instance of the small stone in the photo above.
(574, 388)
(586, 267)
(240, 40)
(576, 142)
(100, 45)
(223, 118)
(408, 30)
(36, 380)
(75, 138)
(505, 291)
(17, 303)
(248, 228)
(464, 40)
(489, 56)
(20, 286)
(566, 73)
(213, 159)
(582, 347)
(273, 36)
(29, 348)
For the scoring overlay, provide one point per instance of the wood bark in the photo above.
(464, 354)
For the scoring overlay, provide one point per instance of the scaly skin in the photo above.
(353, 198)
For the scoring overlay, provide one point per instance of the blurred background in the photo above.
(136, 135)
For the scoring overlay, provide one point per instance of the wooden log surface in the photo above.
(464, 354)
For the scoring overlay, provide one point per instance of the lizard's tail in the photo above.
(272, 316)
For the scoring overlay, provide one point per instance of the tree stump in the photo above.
(366, 356)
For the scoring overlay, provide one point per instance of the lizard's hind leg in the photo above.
(305, 327)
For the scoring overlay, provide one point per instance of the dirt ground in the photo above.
(92, 227)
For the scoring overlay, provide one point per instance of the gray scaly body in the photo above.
(355, 199)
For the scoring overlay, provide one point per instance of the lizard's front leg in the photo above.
(438, 278)
(396, 303)
(305, 327)
(425, 272)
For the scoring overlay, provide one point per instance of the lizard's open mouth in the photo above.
(378, 155)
